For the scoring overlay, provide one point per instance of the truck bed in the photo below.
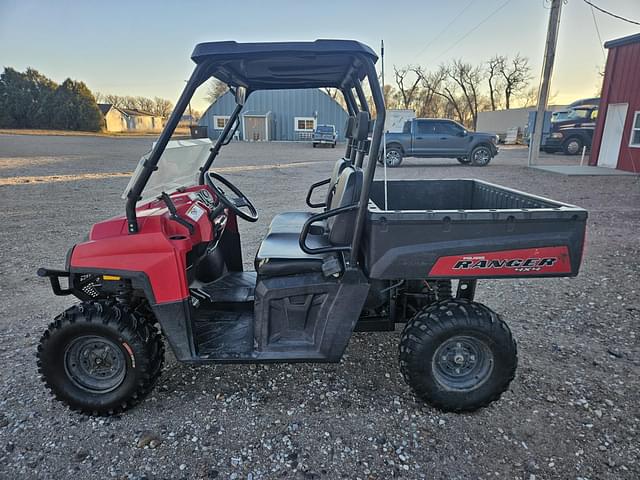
(469, 229)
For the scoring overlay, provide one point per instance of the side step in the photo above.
(223, 334)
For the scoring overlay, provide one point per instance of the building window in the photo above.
(304, 124)
(635, 131)
(220, 121)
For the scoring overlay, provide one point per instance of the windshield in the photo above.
(178, 167)
(578, 113)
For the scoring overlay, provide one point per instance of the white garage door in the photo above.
(612, 135)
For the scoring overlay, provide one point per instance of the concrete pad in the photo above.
(582, 170)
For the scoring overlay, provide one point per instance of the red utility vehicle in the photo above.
(371, 255)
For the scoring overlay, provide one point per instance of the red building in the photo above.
(616, 140)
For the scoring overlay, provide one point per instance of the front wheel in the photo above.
(572, 146)
(100, 358)
(458, 355)
(480, 156)
(393, 157)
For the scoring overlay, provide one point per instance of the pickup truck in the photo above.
(440, 138)
(571, 130)
(324, 135)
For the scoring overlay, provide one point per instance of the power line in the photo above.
(482, 22)
(595, 23)
(611, 14)
(445, 28)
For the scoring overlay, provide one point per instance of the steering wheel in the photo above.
(236, 203)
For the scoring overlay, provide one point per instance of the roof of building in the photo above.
(104, 107)
(135, 111)
(619, 42)
(285, 65)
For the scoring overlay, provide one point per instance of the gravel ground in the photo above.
(572, 412)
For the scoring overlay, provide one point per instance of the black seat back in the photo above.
(348, 134)
(360, 138)
(347, 193)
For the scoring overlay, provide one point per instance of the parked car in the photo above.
(571, 129)
(440, 138)
(324, 135)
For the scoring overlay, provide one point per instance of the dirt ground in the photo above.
(572, 412)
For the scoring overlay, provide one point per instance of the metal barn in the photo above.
(616, 140)
(285, 115)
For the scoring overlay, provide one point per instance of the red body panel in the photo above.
(159, 249)
(522, 262)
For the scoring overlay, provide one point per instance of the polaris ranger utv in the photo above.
(369, 255)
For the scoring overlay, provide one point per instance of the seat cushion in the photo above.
(289, 222)
(280, 254)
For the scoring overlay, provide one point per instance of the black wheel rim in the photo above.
(95, 364)
(462, 363)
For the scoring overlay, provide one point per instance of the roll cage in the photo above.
(248, 67)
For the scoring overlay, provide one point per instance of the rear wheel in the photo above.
(100, 358)
(572, 146)
(393, 157)
(464, 160)
(480, 156)
(458, 355)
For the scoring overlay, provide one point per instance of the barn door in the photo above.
(612, 135)
(255, 128)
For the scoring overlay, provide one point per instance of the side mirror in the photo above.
(241, 95)
(462, 133)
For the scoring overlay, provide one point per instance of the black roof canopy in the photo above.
(284, 65)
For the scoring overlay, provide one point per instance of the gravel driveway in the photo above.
(572, 412)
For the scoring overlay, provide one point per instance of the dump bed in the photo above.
(469, 229)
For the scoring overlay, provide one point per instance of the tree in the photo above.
(469, 79)
(161, 107)
(24, 99)
(409, 90)
(74, 108)
(215, 90)
(516, 75)
(494, 67)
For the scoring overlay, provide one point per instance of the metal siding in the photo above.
(284, 106)
(621, 84)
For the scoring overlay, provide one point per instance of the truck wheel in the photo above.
(314, 145)
(464, 160)
(480, 156)
(394, 157)
(572, 146)
(457, 355)
(100, 358)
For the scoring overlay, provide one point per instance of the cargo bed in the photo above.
(469, 229)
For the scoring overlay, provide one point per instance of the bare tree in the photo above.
(469, 79)
(215, 90)
(516, 75)
(447, 90)
(494, 68)
(144, 104)
(162, 107)
(407, 88)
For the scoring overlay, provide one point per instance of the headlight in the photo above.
(556, 135)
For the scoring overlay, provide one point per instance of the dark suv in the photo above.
(440, 138)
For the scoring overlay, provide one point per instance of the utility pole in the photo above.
(384, 92)
(545, 83)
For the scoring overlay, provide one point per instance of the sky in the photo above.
(141, 47)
